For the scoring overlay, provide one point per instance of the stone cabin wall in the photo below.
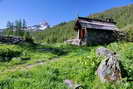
(94, 37)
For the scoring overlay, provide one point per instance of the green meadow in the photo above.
(61, 62)
(48, 62)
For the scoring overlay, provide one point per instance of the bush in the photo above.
(28, 37)
(7, 53)
(128, 30)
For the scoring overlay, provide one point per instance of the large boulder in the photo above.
(104, 52)
(109, 69)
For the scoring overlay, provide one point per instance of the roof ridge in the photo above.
(99, 20)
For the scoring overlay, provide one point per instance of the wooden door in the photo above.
(82, 33)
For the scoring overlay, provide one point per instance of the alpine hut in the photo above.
(95, 31)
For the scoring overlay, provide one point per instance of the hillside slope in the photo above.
(56, 34)
(122, 15)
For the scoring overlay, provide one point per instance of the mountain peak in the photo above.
(39, 27)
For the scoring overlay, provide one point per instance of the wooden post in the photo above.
(78, 34)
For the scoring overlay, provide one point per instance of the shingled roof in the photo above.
(95, 24)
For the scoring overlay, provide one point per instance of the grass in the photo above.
(74, 63)
(24, 54)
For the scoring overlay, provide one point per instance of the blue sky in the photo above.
(53, 11)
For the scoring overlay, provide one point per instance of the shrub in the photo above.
(7, 53)
(128, 30)
(28, 37)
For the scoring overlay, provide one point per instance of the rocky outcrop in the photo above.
(109, 69)
(11, 39)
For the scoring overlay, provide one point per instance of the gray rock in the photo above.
(104, 52)
(72, 85)
(73, 42)
(69, 83)
(109, 69)
(11, 39)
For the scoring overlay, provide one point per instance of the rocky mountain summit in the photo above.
(40, 27)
